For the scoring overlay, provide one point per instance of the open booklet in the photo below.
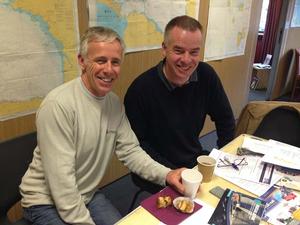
(282, 206)
(235, 208)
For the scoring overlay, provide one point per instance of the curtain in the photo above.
(258, 51)
(269, 38)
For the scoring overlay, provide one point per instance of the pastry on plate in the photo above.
(183, 204)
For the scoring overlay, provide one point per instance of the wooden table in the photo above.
(141, 214)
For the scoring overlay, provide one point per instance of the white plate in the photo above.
(178, 199)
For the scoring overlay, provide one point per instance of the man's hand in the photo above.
(174, 179)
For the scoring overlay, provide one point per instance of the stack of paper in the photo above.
(274, 152)
(261, 172)
(255, 176)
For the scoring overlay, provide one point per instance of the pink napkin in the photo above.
(169, 215)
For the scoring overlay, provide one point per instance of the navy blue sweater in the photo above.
(168, 122)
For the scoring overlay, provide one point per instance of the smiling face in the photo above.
(101, 66)
(181, 50)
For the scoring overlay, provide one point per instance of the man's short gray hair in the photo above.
(101, 34)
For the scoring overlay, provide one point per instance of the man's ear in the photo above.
(81, 62)
(164, 49)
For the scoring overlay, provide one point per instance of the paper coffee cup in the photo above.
(191, 180)
(206, 166)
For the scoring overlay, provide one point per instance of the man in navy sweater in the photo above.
(167, 105)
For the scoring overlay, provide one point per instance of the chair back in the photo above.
(15, 156)
(271, 120)
(281, 124)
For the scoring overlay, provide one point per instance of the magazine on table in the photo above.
(235, 208)
(282, 206)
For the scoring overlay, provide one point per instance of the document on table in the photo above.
(283, 155)
(255, 176)
(275, 152)
(253, 187)
(252, 169)
(257, 145)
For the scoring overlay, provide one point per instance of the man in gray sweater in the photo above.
(80, 124)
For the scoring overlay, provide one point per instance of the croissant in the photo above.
(163, 201)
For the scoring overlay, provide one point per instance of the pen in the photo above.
(231, 163)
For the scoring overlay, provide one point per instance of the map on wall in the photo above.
(227, 31)
(38, 47)
(140, 23)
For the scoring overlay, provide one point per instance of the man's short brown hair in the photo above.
(184, 22)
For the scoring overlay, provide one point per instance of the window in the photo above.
(296, 15)
(263, 17)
